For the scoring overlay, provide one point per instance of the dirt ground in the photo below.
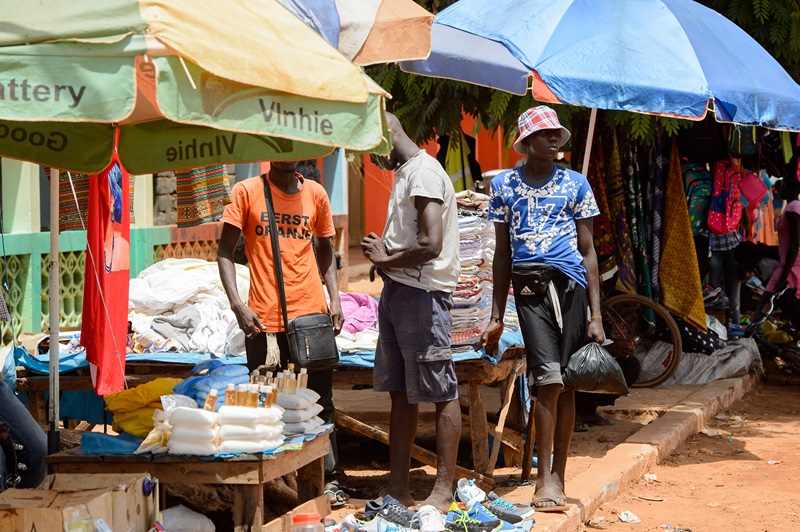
(743, 474)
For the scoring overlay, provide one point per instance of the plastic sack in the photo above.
(242, 415)
(181, 519)
(298, 416)
(156, 441)
(171, 402)
(592, 369)
(302, 428)
(301, 400)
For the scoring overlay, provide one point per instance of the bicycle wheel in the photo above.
(642, 328)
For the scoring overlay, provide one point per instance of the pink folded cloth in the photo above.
(360, 311)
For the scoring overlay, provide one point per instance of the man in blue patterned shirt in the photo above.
(542, 215)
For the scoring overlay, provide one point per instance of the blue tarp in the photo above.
(364, 359)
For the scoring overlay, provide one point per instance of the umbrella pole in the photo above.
(589, 137)
(53, 437)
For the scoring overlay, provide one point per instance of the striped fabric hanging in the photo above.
(69, 214)
(202, 194)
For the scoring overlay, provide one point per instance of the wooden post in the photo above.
(479, 429)
(311, 480)
(354, 426)
(248, 508)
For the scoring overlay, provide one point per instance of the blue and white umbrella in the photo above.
(669, 57)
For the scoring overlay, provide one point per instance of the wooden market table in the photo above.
(246, 473)
(474, 373)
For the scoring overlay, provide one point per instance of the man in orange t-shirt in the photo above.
(302, 211)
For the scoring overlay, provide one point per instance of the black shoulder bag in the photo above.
(312, 340)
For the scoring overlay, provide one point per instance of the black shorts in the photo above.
(548, 347)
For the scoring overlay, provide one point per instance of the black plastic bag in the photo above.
(592, 369)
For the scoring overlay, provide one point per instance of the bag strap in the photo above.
(276, 250)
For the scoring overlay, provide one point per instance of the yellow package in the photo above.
(140, 396)
(139, 422)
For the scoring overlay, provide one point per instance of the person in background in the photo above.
(302, 211)
(23, 444)
(417, 257)
(542, 215)
(787, 274)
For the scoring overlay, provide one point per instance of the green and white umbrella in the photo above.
(182, 83)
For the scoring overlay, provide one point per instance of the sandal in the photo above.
(580, 426)
(336, 496)
(560, 505)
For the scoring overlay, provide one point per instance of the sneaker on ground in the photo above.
(468, 493)
(505, 509)
(484, 515)
(389, 509)
(458, 521)
(428, 519)
(379, 524)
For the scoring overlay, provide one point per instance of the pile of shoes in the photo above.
(473, 510)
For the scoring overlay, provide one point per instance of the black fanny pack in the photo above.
(532, 278)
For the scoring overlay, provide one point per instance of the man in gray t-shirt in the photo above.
(418, 261)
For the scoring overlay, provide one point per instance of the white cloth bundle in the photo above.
(194, 435)
(192, 417)
(247, 416)
(250, 446)
(257, 432)
(186, 447)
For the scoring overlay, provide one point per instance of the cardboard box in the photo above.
(34, 510)
(67, 502)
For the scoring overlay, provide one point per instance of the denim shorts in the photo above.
(413, 353)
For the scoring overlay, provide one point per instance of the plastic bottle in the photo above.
(254, 377)
(290, 367)
(211, 401)
(262, 396)
(291, 387)
(307, 523)
(270, 399)
(252, 396)
(279, 382)
(230, 395)
(241, 395)
(302, 379)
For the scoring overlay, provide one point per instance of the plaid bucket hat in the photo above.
(536, 119)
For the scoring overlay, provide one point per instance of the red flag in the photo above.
(104, 327)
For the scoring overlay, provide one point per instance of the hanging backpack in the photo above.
(753, 189)
(698, 185)
(725, 209)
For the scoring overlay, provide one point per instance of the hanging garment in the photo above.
(638, 221)
(5, 315)
(679, 271)
(764, 222)
(104, 326)
(654, 207)
(601, 224)
(70, 213)
(202, 194)
(626, 282)
(456, 163)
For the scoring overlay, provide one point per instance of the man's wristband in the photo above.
(597, 317)
(495, 318)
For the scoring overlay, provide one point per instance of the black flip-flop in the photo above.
(580, 426)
